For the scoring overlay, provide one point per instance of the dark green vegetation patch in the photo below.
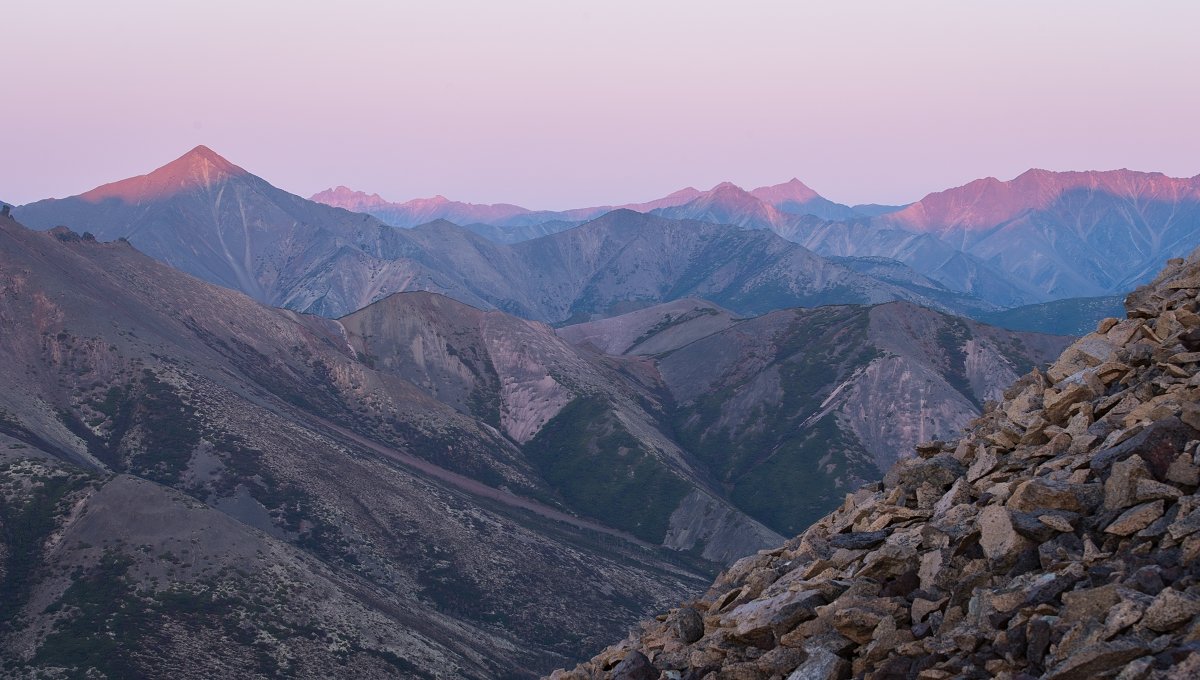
(144, 427)
(770, 445)
(603, 472)
(28, 515)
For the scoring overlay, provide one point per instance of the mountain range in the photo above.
(445, 435)
(206, 216)
(792, 197)
(373, 487)
(1040, 237)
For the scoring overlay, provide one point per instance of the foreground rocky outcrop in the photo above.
(1057, 538)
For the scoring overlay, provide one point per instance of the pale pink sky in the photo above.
(564, 103)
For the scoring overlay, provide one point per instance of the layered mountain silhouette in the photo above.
(204, 215)
(1043, 236)
(511, 219)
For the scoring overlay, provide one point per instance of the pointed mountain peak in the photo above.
(728, 187)
(201, 160)
(199, 168)
(791, 191)
(201, 153)
(728, 192)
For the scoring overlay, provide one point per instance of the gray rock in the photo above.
(997, 535)
(1135, 519)
(635, 666)
(1170, 610)
(688, 625)
(821, 664)
(1158, 445)
(1095, 659)
(859, 540)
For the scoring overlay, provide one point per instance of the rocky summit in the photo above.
(1057, 538)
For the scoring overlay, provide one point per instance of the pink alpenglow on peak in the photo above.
(791, 191)
(670, 200)
(345, 197)
(200, 167)
(987, 202)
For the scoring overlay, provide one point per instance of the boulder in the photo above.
(1135, 519)
(997, 535)
(1092, 660)
(1170, 610)
(687, 625)
(635, 666)
(821, 664)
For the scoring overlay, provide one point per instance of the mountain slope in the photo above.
(248, 481)
(1057, 538)
(1072, 316)
(925, 254)
(207, 217)
(521, 378)
(778, 407)
(617, 262)
(796, 198)
(652, 330)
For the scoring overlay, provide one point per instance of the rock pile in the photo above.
(1058, 538)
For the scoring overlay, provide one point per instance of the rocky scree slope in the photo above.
(1058, 538)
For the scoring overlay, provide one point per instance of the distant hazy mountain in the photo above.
(875, 209)
(791, 409)
(975, 249)
(519, 232)
(419, 210)
(791, 197)
(925, 254)
(513, 221)
(728, 203)
(1073, 316)
(1040, 237)
(796, 198)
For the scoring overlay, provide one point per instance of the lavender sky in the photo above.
(567, 103)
